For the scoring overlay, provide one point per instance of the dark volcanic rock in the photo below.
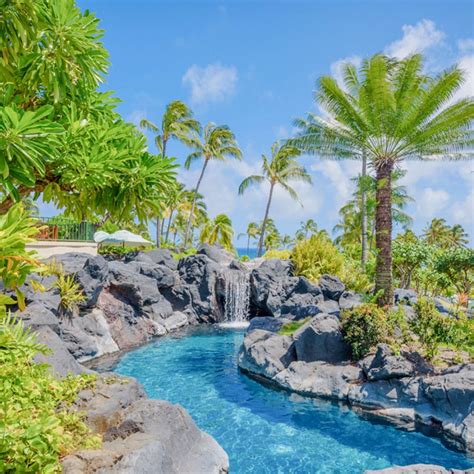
(270, 286)
(37, 315)
(321, 340)
(266, 353)
(331, 287)
(349, 300)
(93, 278)
(267, 323)
(404, 296)
(217, 254)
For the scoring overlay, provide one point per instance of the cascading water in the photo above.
(237, 297)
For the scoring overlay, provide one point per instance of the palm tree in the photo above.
(437, 233)
(218, 230)
(253, 230)
(458, 236)
(306, 228)
(287, 241)
(280, 169)
(364, 197)
(217, 143)
(178, 123)
(392, 112)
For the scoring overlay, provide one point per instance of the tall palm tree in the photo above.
(458, 236)
(437, 233)
(306, 228)
(218, 230)
(217, 143)
(178, 123)
(392, 112)
(253, 231)
(364, 198)
(280, 169)
(287, 241)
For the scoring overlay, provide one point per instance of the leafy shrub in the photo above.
(185, 253)
(280, 254)
(364, 327)
(318, 255)
(244, 258)
(70, 293)
(37, 424)
(16, 263)
(290, 328)
(432, 328)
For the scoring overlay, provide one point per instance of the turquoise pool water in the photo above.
(268, 431)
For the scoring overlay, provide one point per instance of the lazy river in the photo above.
(265, 430)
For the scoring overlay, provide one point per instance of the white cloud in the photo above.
(463, 212)
(416, 39)
(212, 83)
(466, 63)
(431, 202)
(466, 45)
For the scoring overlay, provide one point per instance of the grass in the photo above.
(289, 329)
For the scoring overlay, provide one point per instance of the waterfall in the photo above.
(237, 296)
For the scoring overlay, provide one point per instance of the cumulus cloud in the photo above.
(416, 39)
(466, 45)
(212, 83)
(432, 202)
(466, 63)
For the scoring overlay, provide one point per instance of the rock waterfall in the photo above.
(237, 296)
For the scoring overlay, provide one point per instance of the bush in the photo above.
(37, 425)
(244, 258)
(318, 255)
(279, 254)
(433, 328)
(70, 293)
(364, 327)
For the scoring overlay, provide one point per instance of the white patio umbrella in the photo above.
(123, 237)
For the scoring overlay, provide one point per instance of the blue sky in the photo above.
(253, 64)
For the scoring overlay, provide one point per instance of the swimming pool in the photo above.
(265, 430)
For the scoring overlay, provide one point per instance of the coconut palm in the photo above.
(217, 143)
(253, 230)
(287, 241)
(280, 169)
(437, 233)
(306, 228)
(391, 112)
(458, 236)
(178, 123)
(218, 230)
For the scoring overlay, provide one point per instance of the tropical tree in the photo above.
(439, 233)
(218, 230)
(280, 169)
(287, 241)
(60, 137)
(391, 111)
(178, 123)
(216, 143)
(350, 227)
(253, 231)
(306, 229)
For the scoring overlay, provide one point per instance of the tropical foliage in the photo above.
(216, 143)
(390, 111)
(178, 123)
(59, 136)
(280, 169)
(218, 230)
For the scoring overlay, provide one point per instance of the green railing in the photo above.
(55, 228)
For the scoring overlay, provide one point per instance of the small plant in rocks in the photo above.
(364, 327)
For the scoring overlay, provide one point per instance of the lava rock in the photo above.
(331, 287)
(37, 315)
(320, 339)
(217, 254)
(405, 296)
(349, 300)
(266, 353)
(267, 323)
(92, 278)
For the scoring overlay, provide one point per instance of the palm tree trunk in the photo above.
(158, 219)
(363, 210)
(188, 227)
(383, 233)
(167, 235)
(158, 232)
(267, 210)
(248, 245)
